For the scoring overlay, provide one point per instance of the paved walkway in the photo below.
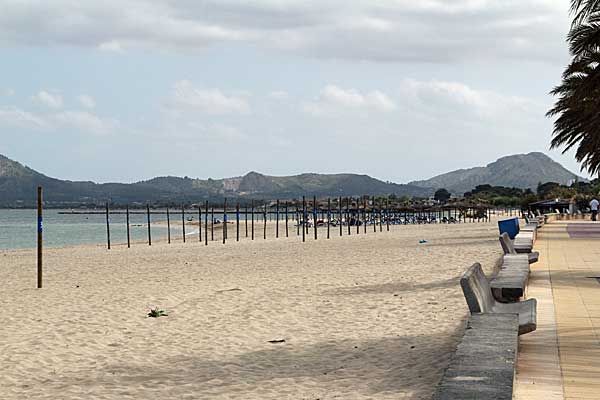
(570, 258)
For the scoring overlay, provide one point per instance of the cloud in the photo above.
(443, 99)
(85, 122)
(185, 98)
(333, 99)
(279, 95)
(402, 30)
(7, 92)
(112, 46)
(86, 101)
(48, 99)
(79, 121)
(16, 117)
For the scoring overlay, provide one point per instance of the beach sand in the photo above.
(373, 316)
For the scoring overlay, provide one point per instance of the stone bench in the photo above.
(510, 283)
(530, 229)
(478, 295)
(483, 366)
(524, 240)
(538, 222)
(509, 247)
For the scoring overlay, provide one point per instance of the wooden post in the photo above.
(149, 229)
(128, 234)
(252, 219)
(212, 223)
(365, 214)
(40, 219)
(340, 215)
(246, 218)
(315, 215)
(206, 224)
(380, 218)
(168, 227)
(237, 221)
(183, 222)
(303, 219)
(357, 216)
(286, 220)
(373, 214)
(328, 215)
(387, 213)
(348, 214)
(107, 226)
(297, 221)
(277, 221)
(199, 223)
(265, 223)
(224, 220)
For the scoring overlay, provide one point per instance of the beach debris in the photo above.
(422, 241)
(156, 312)
(275, 341)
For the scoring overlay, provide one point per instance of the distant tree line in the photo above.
(499, 196)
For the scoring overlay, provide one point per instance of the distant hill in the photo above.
(521, 171)
(18, 185)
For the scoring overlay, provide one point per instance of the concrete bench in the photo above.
(523, 244)
(483, 366)
(536, 222)
(478, 295)
(509, 248)
(510, 283)
(530, 228)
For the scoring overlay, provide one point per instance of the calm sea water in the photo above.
(18, 228)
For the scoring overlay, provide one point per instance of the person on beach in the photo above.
(594, 206)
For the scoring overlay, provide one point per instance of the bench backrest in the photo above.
(476, 289)
(507, 244)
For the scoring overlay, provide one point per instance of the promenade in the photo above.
(561, 360)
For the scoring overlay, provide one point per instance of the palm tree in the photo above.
(578, 105)
(583, 9)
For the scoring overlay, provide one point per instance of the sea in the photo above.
(18, 228)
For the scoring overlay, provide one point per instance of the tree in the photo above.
(577, 123)
(442, 195)
(544, 189)
(527, 200)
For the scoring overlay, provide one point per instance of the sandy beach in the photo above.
(373, 316)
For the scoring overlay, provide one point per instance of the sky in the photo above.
(114, 91)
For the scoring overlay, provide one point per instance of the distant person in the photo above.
(594, 206)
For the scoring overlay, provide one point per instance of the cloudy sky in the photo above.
(397, 89)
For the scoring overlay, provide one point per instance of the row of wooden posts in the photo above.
(212, 210)
(378, 216)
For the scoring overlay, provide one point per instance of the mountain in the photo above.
(521, 171)
(18, 185)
